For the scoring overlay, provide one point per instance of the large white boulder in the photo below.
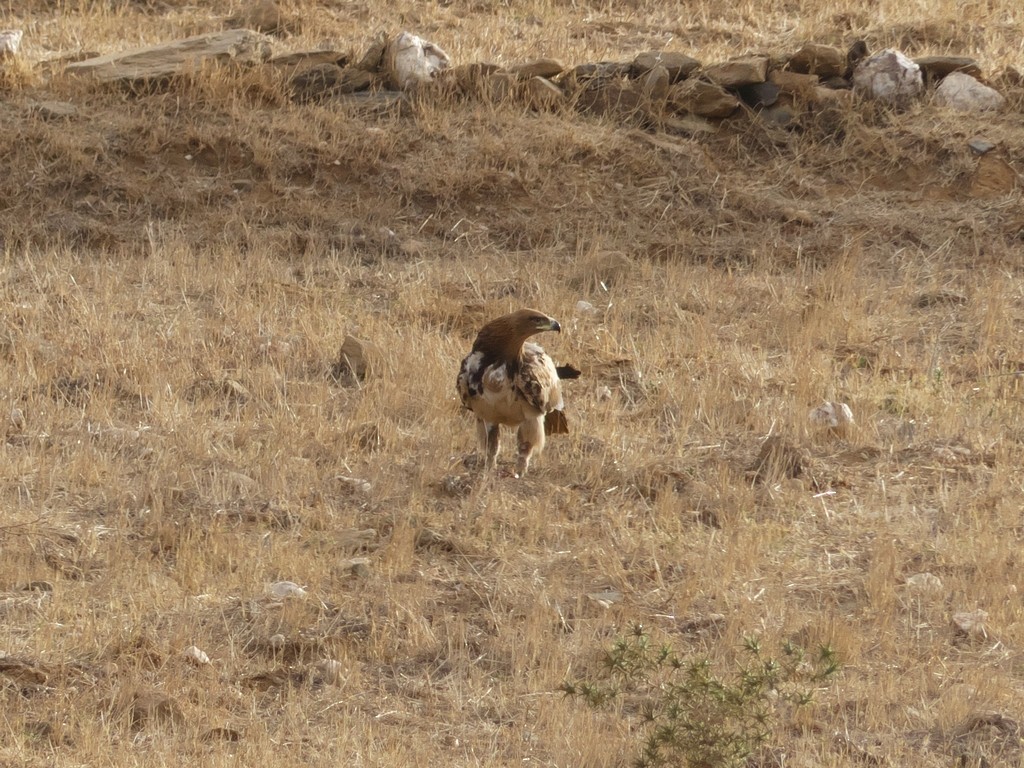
(409, 60)
(888, 76)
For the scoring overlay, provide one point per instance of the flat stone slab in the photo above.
(169, 59)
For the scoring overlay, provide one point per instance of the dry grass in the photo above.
(182, 267)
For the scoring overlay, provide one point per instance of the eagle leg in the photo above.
(488, 436)
(531, 438)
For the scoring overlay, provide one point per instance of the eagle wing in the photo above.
(499, 395)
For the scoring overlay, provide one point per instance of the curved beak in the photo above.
(555, 326)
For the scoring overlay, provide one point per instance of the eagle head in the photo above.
(505, 335)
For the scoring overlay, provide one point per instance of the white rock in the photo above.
(962, 92)
(277, 641)
(585, 308)
(10, 42)
(409, 60)
(330, 671)
(196, 655)
(924, 582)
(831, 415)
(971, 623)
(888, 76)
(17, 418)
(354, 483)
(286, 589)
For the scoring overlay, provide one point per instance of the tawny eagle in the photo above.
(508, 380)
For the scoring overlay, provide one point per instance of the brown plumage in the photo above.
(508, 380)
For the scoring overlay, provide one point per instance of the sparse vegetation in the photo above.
(692, 715)
(181, 266)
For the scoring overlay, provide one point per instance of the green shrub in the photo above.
(692, 715)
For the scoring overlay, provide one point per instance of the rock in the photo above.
(301, 59)
(937, 67)
(980, 146)
(373, 59)
(793, 82)
(277, 642)
(356, 484)
(585, 74)
(238, 46)
(543, 95)
(10, 43)
(356, 566)
(585, 308)
(410, 60)
(823, 95)
(889, 77)
(606, 598)
(353, 359)
(263, 16)
(324, 81)
(965, 94)
(17, 418)
(738, 72)
(924, 583)
(678, 65)
(777, 459)
(469, 78)
(686, 125)
(547, 68)
(760, 94)
(149, 708)
(54, 110)
(782, 114)
(702, 98)
(612, 98)
(282, 590)
(655, 84)
(835, 417)
(971, 624)
(822, 60)
(23, 672)
(857, 53)
(501, 86)
(195, 655)
(328, 672)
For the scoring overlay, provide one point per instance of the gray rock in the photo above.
(937, 67)
(889, 77)
(611, 98)
(738, 72)
(980, 146)
(655, 83)
(239, 46)
(965, 94)
(678, 65)
(54, 110)
(760, 94)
